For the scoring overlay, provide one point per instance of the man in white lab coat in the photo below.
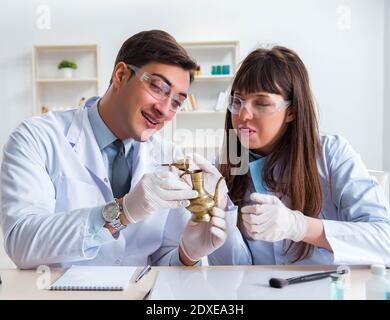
(86, 186)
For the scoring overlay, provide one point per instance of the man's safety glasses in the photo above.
(158, 88)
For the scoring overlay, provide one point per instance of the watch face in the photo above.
(111, 212)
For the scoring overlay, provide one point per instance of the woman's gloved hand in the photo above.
(270, 220)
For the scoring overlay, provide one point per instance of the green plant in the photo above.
(67, 64)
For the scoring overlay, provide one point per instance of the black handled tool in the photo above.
(280, 283)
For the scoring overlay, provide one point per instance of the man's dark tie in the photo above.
(121, 175)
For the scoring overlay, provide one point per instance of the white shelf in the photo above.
(62, 47)
(217, 77)
(61, 108)
(201, 113)
(65, 80)
(219, 44)
(202, 130)
(51, 91)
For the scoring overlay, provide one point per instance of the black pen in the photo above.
(280, 283)
(143, 272)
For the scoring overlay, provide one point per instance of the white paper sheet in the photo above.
(210, 284)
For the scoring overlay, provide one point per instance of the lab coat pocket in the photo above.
(74, 194)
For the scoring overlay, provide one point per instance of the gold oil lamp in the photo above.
(201, 206)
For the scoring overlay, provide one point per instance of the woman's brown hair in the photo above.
(291, 168)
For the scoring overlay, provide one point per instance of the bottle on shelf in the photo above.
(220, 69)
(336, 287)
(377, 286)
(82, 101)
(44, 109)
(197, 70)
(192, 101)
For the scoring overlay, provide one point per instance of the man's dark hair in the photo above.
(155, 46)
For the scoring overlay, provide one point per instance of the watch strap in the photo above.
(117, 224)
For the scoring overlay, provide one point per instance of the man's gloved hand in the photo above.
(156, 190)
(270, 220)
(211, 176)
(199, 239)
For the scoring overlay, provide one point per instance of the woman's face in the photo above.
(259, 119)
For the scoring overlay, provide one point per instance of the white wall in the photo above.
(345, 64)
(386, 105)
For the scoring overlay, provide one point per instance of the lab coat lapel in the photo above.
(143, 161)
(82, 138)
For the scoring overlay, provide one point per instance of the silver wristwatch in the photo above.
(111, 213)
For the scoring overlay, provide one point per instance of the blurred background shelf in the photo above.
(51, 90)
(201, 113)
(66, 80)
(216, 77)
(199, 128)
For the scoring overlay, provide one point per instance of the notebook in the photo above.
(99, 278)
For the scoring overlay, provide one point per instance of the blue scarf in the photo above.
(256, 168)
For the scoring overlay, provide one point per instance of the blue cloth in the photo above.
(355, 213)
(96, 233)
(256, 169)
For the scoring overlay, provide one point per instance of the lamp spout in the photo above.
(182, 165)
(216, 192)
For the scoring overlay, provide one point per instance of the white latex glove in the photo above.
(156, 190)
(199, 239)
(270, 220)
(211, 176)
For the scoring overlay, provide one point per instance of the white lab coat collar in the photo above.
(142, 161)
(80, 131)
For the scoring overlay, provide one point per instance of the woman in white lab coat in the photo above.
(306, 198)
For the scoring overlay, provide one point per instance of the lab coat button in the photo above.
(117, 261)
(105, 180)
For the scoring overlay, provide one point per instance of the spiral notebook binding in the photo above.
(79, 288)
